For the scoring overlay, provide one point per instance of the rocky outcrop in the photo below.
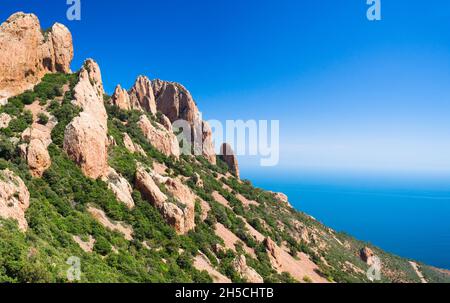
(142, 96)
(202, 263)
(100, 216)
(283, 198)
(176, 102)
(27, 53)
(148, 188)
(85, 138)
(120, 187)
(164, 141)
(37, 138)
(121, 99)
(227, 155)
(299, 268)
(186, 199)
(367, 255)
(14, 198)
(86, 246)
(4, 120)
(89, 92)
(131, 146)
(247, 273)
(179, 209)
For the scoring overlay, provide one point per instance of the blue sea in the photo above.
(408, 215)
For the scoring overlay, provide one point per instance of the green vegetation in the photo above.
(59, 202)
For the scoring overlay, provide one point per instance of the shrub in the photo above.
(43, 119)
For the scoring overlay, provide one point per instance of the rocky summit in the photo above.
(106, 179)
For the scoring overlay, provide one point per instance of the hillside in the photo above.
(102, 178)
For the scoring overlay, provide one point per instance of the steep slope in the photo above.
(133, 211)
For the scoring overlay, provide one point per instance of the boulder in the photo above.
(14, 198)
(164, 141)
(120, 187)
(227, 155)
(37, 138)
(27, 53)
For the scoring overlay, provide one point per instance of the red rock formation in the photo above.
(158, 136)
(85, 138)
(142, 96)
(245, 271)
(27, 53)
(176, 102)
(180, 215)
(14, 198)
(121, 99)
(228, 156)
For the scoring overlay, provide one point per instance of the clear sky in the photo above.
(350, 94)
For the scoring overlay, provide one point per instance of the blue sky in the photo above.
(350, 94)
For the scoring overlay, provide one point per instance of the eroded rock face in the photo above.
(246, 272)
(85, 138)
(131, 146)
(163, 140)
(228, 156)
(273, 250)
(89, 92)
(27, 53)
(148, 188)
(164, 121)
(142, 96)
(187, 199)
(120, 187)
(180, 215)
(176, 102)
(121, 99)
(14, 198)
(85, 142)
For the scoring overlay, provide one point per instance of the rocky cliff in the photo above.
(27, 53)
(84, 174)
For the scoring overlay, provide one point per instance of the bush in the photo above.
(43, 119)
(102, 246)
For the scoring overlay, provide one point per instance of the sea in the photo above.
(405, 214)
